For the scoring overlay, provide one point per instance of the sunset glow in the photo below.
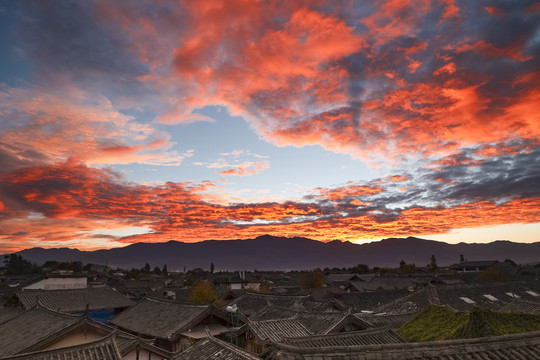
(131, 121)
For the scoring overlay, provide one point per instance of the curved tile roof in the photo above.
(161, 318)
(74, 300)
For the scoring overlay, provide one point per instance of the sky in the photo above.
(131, 121)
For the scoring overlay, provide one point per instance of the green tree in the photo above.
(157, 270)
(406, 268)
(211, 268)
(433, 264)
(146, 268)
(16, 265)
(202, 292)
(360, 269)
(312, 280)
(164, 271)
(402, 264)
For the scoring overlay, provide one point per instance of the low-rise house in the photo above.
(102, 349)
(229, 282)
(42, 334)
(59, 283)
(102, 303)
(173, 326)
(262, 330)
(40, 329)
(462, 297)
(473, 266)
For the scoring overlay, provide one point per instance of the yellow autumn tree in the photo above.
(202, 293)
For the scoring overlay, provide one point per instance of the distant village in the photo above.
(469, 310)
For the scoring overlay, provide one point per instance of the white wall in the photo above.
(57, 283)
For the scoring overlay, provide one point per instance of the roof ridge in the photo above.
(171, 301)
(53, 311)
(422, 346)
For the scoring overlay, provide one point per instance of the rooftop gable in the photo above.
(32, 327)
(103, 349)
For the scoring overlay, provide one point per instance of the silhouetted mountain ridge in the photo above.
(278, 253)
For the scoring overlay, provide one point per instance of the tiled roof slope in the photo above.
(414, 301)
(74, 300)
(251, 303)
(279, 329)
(345, 339)
(360, 301)
(519, 306)
(161, 318)
(492, 296)
(211, 348)
(273, 313)
(323, 323)
(30, 328)
(103, 349)
(463, 297)
(385, 320)
(516, 346)
(316, 322)
(6, 313)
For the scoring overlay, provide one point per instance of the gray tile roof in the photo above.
(344, 339)
(32, 327)
(103, 349)
(360, 301)
(251, 303)
(323, 323)
(385, 320)
(7, 313)
(301, 324)
(161, 318)
(520, 306)
(463, 297)
(211, 348)
(279, 329)
(415, 301)
(74, 300)
(516, 346)
(499, 294)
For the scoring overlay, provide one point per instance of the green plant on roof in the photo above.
(440, 323)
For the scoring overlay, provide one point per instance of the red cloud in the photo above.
(370, 86)
(248, 168)
(74, 199)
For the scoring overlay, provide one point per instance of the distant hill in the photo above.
(278, 253)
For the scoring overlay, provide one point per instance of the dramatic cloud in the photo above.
(440, 98)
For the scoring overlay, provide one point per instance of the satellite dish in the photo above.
(231, 309)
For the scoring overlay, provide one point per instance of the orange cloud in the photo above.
(64, 203)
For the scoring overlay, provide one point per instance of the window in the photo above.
(467, 300)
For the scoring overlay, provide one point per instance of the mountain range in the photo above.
(279, 253)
